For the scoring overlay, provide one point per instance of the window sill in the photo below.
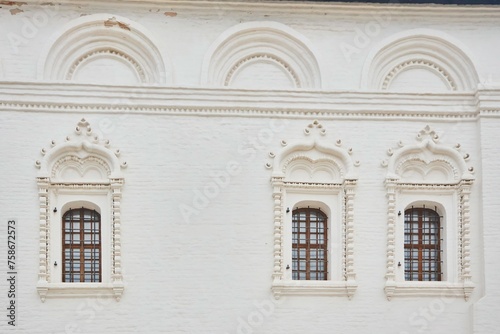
(76, 290)
(425, 289)
(314, 288)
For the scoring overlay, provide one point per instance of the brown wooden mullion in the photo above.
(420, 252)
(308, 243)
(82, 234)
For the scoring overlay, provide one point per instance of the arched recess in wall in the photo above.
(104, 49)
(419, 60)
(261, 55)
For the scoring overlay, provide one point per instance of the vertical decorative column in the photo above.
(43, 271)
(466, 277)
(349, 186)
(390, 276)
(278, 227)
(116, 266)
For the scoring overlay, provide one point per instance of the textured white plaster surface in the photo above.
(197, 229)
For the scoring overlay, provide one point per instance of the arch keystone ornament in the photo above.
(81, 170)
(314, 170)
(429, 172)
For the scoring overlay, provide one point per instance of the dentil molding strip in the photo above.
(70, 97)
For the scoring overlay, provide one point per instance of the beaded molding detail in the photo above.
(55, 158)
(459, 185)
(266, 57)
(109, 52)
(420, 62)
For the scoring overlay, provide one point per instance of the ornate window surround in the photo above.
(335, 196)
(82, 171)
(451, 195)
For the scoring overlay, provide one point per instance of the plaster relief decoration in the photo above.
(419, 61)
(314, 173)
(80, 172)
(104, 49)
(429, 175)
(261, 55)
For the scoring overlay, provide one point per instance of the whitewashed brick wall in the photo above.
(211, 271)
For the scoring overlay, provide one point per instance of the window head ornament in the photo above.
(315, 134)
(82, 140)
(429, 151)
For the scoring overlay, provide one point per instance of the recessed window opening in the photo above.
(422, 244)
(309, 244)
(81, 251)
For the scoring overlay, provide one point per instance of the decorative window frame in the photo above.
(336, 194)
(451, 193)
(95, 180)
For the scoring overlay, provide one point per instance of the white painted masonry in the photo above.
(192, 126)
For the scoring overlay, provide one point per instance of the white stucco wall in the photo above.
(193, 264)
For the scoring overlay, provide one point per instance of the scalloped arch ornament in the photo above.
(272, 42)
(104, 37)
(82, 146)
(424, 49)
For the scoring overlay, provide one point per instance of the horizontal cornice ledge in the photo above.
(488, 100)
(69, 97)
(448, 12)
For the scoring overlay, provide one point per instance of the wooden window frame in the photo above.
(420, 246)
(308, 246)
(82, 246)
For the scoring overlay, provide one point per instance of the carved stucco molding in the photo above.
(266, 58)
(428, 49)
(81, 40)
(252, 41)
(58, 156)
(428, 142)
(344, 185)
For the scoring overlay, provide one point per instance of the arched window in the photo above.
(422, 245)
(309, 245)
(81, 249)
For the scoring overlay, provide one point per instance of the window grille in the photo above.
(309, 245)
(422, 245)
(81, 246)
